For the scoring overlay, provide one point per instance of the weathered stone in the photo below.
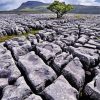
(32, 38)
(78, 45)
(47, 35)
(96, 70)
(8, 69)
(61, 60)
(74, 73)
(61, 44)
(83, 39)
(95, 42)
(89, 57)
(18, 91)
(20, 51)
(90, 46)
(3, 83)
(70, 40)
(60, 90)
(47, 50)
(34, 97)
(36, 71)
(19, 46)
(92, 89)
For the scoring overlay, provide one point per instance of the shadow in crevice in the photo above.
(1, 93)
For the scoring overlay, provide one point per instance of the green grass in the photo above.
(78, 16)
(4, 38)
(98, 38)
(37, 10)
(33, 31)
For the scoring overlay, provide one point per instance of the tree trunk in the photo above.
(59, 15)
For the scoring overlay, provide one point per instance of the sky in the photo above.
(13, 4)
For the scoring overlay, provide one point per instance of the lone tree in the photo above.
(60, 8)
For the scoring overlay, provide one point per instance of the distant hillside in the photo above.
(40, 7)
(33, 6)
(81, 9)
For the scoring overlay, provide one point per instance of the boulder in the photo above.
(60, 43)
(19, 91)
(74, 73)
(78, 45)
(90, 46)
(92, 89)
(32, 38)
(19, 46)
(34, 97)
(70, 40)
(61, 60)
(36, 71)
(83, 39)
(48, 35)
(60, 89)
(89, 57)
(3, 82)
(95, 42)
(8, 69)
(47, 50)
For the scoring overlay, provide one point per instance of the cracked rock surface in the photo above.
(60, 62)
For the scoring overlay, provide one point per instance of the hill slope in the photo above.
(32, 6)
(81, 9)
(41, 7)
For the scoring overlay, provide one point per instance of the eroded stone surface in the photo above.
(60, 90)
(92, 89)
(57, 44)
(47, 50)
(20, 90)
(61, 60)
(89, 57)
(8, 69)
(19, 46)
(33, 97)
(74, 73)
(37, 72)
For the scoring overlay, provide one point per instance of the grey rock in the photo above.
(19, 46)
(2, 49)
(92, 89)
(83, 39)
(74, 73)
(60, 43)
(48, 35)
(38, 73)
(32, 38)
(18, 91)
(95, 42)
(70, 40)
(90, 46)
(78, 45)
(34, 97)
(89, 57)
(96, 70)
(60, 90)
(8, 69)
(3, 82)
(61, 60)
(47, 50)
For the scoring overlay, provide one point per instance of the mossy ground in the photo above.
(78, 16)
(4, 38)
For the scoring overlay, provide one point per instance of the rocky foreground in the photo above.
(60, 62)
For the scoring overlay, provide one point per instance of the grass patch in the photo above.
(4, 38)
(33, 31)
(98, 38)
(78, 16)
